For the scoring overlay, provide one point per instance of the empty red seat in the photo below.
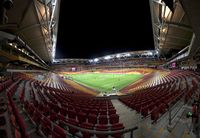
(56, 108)
(111, 111)
(115, 127)
(13, 121)
(94, 111)
(53, 116)
(138, 107)
(86, 126)
(31, 109)
(86, 110)
(63, 111)
(155, 114)
(26, 105)
(92, 118)
(55, 135)
(46, 111)
(46, 126)
(103, 112)
(114, 119)
(60, 131)
(73, 122)
(23, 126)
(17, 134)
(101, 128)
(61, 117)
(81, 117)
(72, 114)
(37, 117)
(144, 111)
(103, 119)
(162, 108)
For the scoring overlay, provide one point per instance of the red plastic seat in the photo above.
(73, 122)
(55, 135)
(111, 111)
(114, 119)
(86, 126)
(72, 114)
(100, 127)
(46, 111)
(94, 111)
(37, 117)
(17, 134)
(115, 127)
(92, 118)
(46, 126)
(53, 116)
(60, 131)
(155, 114)
(103, 119)
(63, 111)
(103, 112)
(162, 108)
(31, 109)
(144, 111)
(81, 117)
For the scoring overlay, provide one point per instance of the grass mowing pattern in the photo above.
(104, 81)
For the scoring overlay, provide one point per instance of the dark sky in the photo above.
(93, 29)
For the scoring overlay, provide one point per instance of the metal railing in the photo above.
(107, 133)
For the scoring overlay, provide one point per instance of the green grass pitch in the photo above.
(104, 82)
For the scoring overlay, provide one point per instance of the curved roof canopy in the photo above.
(36, 23)
(171, 29)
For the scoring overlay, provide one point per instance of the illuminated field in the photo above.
(105, 82)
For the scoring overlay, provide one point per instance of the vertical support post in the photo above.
(170, 116)
(131, 134)
(198, 122)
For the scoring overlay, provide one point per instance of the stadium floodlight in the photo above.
(107, 57)
(164, 30)
(165, 11)
(91, 60)
(11, 44)
(118, 55)
(96, 60)
(156, 52)
(128, 55)
(150, 53)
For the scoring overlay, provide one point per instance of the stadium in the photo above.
(148, 93)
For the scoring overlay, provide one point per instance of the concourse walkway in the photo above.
(180, 128)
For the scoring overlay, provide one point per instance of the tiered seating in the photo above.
(55, 110)
(16, 119)
(155, 100)
(146, 78)
(5, 84)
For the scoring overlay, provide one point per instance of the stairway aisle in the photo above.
(5, 114)
(128, 117)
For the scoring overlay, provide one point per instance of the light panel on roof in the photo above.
(107, 57)
(96, 60)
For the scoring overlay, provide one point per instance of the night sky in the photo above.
(94, 29)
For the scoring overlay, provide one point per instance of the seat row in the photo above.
(156, 100)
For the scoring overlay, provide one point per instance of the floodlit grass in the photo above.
(104, 82)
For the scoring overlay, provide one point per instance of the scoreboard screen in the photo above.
(73, 68)
(174, 65)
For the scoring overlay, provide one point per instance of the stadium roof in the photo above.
(172, 30)
(89, 32)
(35, 22)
